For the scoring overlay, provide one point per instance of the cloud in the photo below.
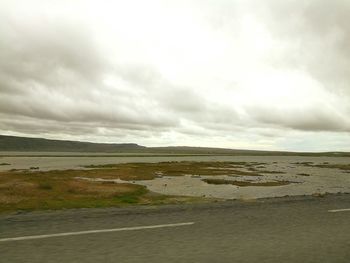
(312, 119)
(53, 70)
(315, 36)
(207, 73)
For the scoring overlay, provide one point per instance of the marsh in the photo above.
(85, 181)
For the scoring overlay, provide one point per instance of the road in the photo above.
(298, 229)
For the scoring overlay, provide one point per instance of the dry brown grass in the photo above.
(100, 189)
(144, 171)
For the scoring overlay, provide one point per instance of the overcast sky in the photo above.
(223, 73)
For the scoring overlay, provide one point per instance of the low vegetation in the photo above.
(33, 189)
(245, 183)
(344, 167)
(253, 169)
(304, 163)
(244, 173)
(144, 171)
(304, 174)
(36, 190)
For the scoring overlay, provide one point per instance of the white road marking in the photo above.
(339, 210)
(94, 231)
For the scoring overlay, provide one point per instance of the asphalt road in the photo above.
(279, 230)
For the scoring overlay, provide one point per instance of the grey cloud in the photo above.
(52, 53)
(182, 100)
(75, 130)
(316, 37)
(53, 77)
(311, 119)
(54, 71)
(25, 125)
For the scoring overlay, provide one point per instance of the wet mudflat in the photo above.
(35, 183)
(249, 180)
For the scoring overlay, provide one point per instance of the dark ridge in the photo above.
(14, 143)
(240, 152)
(25, 144)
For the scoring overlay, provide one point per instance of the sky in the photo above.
(248, 74)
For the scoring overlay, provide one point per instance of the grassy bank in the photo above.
(35, 190)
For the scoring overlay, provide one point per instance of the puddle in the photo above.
(116, 181)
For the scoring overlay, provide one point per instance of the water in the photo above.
(65, 161)
(320, 180)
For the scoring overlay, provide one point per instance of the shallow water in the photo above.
(73, 162)
(319, 181)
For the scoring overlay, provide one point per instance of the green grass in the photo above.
(131, 198)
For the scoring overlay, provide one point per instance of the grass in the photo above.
(30, 191)
(39, 190)
(245, 173)
(253, 169)
(33, 189)
(271, 172)
(304, 163)
(151, 170)
(344, 167)
(56, 190)
(45, 186)
(244, 184)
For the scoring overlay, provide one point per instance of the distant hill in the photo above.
(14, 143)
(25, 144)
(203, 150)
(239, 152)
